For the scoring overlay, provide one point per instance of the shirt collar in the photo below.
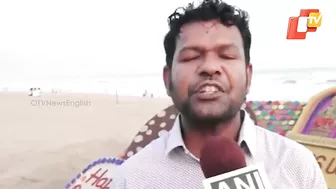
(175, 139)
(247, 136)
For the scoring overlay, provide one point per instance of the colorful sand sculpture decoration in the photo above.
(96, 175)
(316, 129)
(276, 116)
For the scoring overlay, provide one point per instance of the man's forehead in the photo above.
(201, 26)
(209, 32)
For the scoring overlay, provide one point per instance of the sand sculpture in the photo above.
(316, 129)
(313, 124)
(97, 175)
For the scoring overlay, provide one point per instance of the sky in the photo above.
(44, 38)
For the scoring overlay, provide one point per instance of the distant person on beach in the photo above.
(145, 94)
(208, 75)
(31, 92)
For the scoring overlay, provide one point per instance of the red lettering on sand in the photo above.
(319, 158)
(329, 168)
(78, 186)
(99, 180)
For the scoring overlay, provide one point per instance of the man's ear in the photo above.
(249, 71)
(166, 78)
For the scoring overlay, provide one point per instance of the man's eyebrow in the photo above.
(228, 46)
(193, 48)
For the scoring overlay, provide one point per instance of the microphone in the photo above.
(224, 167)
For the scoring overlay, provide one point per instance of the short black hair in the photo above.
(207, 10)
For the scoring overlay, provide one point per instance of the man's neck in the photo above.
(194, 138)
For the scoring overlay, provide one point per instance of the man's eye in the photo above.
(189, 58)
(229, 57)
(189, 55)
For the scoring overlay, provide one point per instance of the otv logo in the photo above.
(308, 21)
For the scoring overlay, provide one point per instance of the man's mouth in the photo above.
(208, 92)
(209, 89)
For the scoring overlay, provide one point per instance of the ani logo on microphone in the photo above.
(251, 177)
(308, 21)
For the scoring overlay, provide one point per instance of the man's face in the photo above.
(209, 79)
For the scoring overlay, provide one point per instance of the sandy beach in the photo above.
(45, 141)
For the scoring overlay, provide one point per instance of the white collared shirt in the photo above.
(165, 163)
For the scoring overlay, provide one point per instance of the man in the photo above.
(207, 75)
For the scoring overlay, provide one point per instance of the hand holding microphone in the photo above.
(223, 164)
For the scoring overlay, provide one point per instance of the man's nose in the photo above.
(210, 68)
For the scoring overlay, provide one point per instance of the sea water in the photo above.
(263, 88)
